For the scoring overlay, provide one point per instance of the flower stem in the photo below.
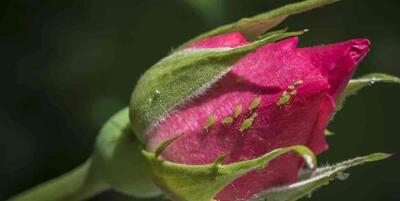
(78, 184)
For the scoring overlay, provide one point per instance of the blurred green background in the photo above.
(67, 65)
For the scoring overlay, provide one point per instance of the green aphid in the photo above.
(228, 120)
(298, 82)
(247, 123)
(255, 103)
(284, 99)
(238, 111)
(210, 122)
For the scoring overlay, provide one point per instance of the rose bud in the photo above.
(276, 96)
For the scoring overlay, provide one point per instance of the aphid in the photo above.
(298, 82)
(255, 103)
(285, 98)
(210, 122)
(247, 123)
(227, 120)
(238, 111)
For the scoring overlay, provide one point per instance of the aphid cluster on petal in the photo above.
(230, 119)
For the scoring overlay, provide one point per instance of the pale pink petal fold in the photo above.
(227, 40)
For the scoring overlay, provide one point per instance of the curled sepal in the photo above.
(328, 132)
(183, 75)
(201, 182)
(254, 26)
(164, 145)
(355, 85)
(314, 180)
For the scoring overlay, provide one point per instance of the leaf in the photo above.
(183, 75)
(201, 182)
(355, 85)
(310, 182)
(252, 27)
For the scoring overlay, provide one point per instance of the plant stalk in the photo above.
(78, 184)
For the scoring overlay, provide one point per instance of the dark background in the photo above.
(67, 65)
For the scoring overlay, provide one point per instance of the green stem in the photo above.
(78, 184)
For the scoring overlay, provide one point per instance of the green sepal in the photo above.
(311, 181)
(202, 182)
(118, 159)
(183, 75)
(328, 132)
(254, 26)
(270, 33)
(356, 85)
(164, 145)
